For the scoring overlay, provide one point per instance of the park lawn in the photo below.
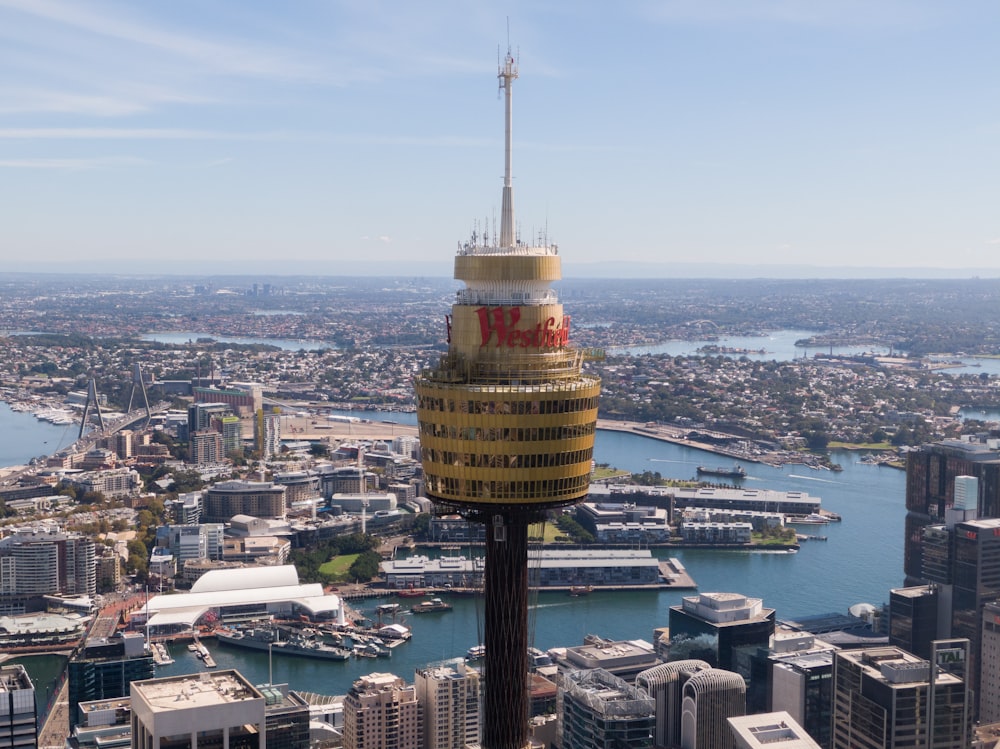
(601, 472)
(551, 531)
(337, 567)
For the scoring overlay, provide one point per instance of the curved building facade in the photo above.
(506, 422)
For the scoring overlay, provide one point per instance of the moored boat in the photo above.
(269, 639)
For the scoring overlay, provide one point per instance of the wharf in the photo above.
(676, 575)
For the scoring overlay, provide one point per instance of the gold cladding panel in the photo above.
(508, 267)
(453, 409)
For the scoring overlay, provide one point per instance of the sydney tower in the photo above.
(507, 422)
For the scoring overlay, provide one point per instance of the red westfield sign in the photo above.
(501, 323)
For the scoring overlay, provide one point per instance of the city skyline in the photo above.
(761, 138)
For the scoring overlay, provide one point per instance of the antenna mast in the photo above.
(506, 74)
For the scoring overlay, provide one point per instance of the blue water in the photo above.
(23, 437)
(859, 563)
(287, 344)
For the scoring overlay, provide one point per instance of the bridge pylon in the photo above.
(91, 402)
(140, 385)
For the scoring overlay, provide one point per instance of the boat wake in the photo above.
(810, 478)
(550, 605)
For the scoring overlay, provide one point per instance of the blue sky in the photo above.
(323, 137)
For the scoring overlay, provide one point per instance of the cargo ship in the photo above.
(736, 472)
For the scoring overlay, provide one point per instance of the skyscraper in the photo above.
(913, 618)
(710, 698)
(449, 700)
(506, 423)
(725, 629)
(930, 490)
(601, 711)
(886, 698)
(664, 684)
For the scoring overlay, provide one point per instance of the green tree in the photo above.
(365, 567)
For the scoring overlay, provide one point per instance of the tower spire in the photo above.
(506, 74)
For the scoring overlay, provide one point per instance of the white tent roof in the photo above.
(246, 577)
(238, 587)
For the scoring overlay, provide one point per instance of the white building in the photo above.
(765, 729)
(17, 709)
(216, 710)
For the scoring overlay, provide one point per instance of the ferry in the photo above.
(475, 653)
(433, 605)
(736, 472)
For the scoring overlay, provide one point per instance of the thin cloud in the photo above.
(843, 13)
(218, 57)
(117, 133)
(72, 164)
(60, 102)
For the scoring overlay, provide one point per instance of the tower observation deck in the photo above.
(507, 421)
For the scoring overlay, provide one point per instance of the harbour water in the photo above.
(859, 562)
(23, 437)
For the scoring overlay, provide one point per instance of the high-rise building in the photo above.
(267, 433)
(795, 675)
(381, 712)
(665, 685)
(232, 435)
(886, 698)
(205, 447)
(123, 444)
(913, 618)
(261, 499)
(709, 698)
(205, 416)
(976, 582)
(601, 710)
(449, 701)
(286, 717)
(104, 668)
(989, 672)
(930, 490)
(218, 710)
(38, 563)
(506, 423)
(18, 715)
(725, 629)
